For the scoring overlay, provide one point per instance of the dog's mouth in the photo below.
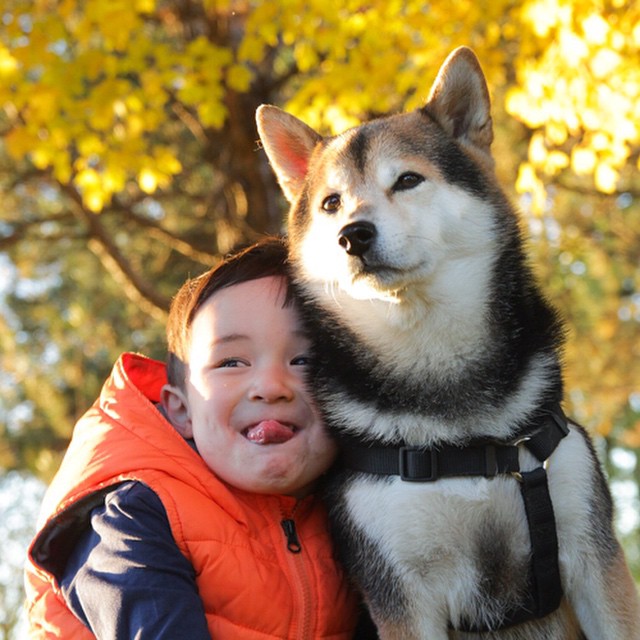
(367, 264)
(383, 279)
(377, 282)
(376, 272)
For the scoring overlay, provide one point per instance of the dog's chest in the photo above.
(443, 529)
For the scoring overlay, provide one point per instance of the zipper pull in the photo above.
(289, 528)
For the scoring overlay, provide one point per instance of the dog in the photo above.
(466, 505)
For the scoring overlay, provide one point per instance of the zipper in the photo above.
(289, 528)
(296, 559)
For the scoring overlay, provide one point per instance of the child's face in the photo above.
(246, 406)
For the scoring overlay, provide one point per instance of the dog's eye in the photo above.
(407, 180)
(331, 203)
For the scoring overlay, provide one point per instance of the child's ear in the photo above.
(174, 402)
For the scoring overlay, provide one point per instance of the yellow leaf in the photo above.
(306, 56)
(605, 62)
(42, 105)
(8, 64)
(94, 199)
(537, 149)
(606, 178)
(269, 33)
(340, 121)
(117, 25)
(527, 180)
(135, 125)
(145, 6)
(114, 179)
(62, 167)
(87, 178)
(20, 142)
(251, 49)
(573, 48)
(583, 161)
(212, 114)
(148, 180)
(521, 105)
(166, 162)
(41, 157)
(636, 34)
(600, 141)
(90, 144)
(595, 29)
(557, 132)
(556, 160)
(239, 77)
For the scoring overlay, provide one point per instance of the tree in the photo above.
(128, 161)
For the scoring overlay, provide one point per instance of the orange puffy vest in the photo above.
(251, 584)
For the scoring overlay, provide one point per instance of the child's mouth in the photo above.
(270, 432)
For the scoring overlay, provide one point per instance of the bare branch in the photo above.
(131, 286)
(591, 192)
(135, 287)
(158, 232)
(190, 121)
(20, 228)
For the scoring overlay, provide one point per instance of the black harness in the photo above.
(489, 459)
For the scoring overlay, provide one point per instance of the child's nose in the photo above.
(272, 384)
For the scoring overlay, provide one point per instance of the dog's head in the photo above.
(379, 208)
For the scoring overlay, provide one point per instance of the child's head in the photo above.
(237, 376)
(265, 258)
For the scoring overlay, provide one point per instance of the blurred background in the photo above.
(129, 161)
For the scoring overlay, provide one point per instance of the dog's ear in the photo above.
(459, 100)
(288, 143)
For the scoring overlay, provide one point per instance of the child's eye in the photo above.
(302, 360)
(230, 363)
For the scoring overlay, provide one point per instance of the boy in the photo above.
(141, 539)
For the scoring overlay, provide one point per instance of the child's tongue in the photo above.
(269, 432)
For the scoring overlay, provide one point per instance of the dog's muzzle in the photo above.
(357, 238)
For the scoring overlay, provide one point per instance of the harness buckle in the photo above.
(408, 474)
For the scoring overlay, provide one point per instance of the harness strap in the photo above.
(480, 458)
(488, 459)
(415, 464)
(545, 571)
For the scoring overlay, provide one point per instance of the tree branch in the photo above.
(161, 234)
(20, 228)
(135, 287)
(591, 192)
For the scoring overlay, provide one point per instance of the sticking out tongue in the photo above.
(269, 432)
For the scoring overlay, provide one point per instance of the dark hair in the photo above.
(267, 257)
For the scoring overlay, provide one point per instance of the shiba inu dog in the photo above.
(466, 504)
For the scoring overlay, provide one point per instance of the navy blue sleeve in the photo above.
(126, 577)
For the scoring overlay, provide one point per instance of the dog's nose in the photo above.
(356, 238)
